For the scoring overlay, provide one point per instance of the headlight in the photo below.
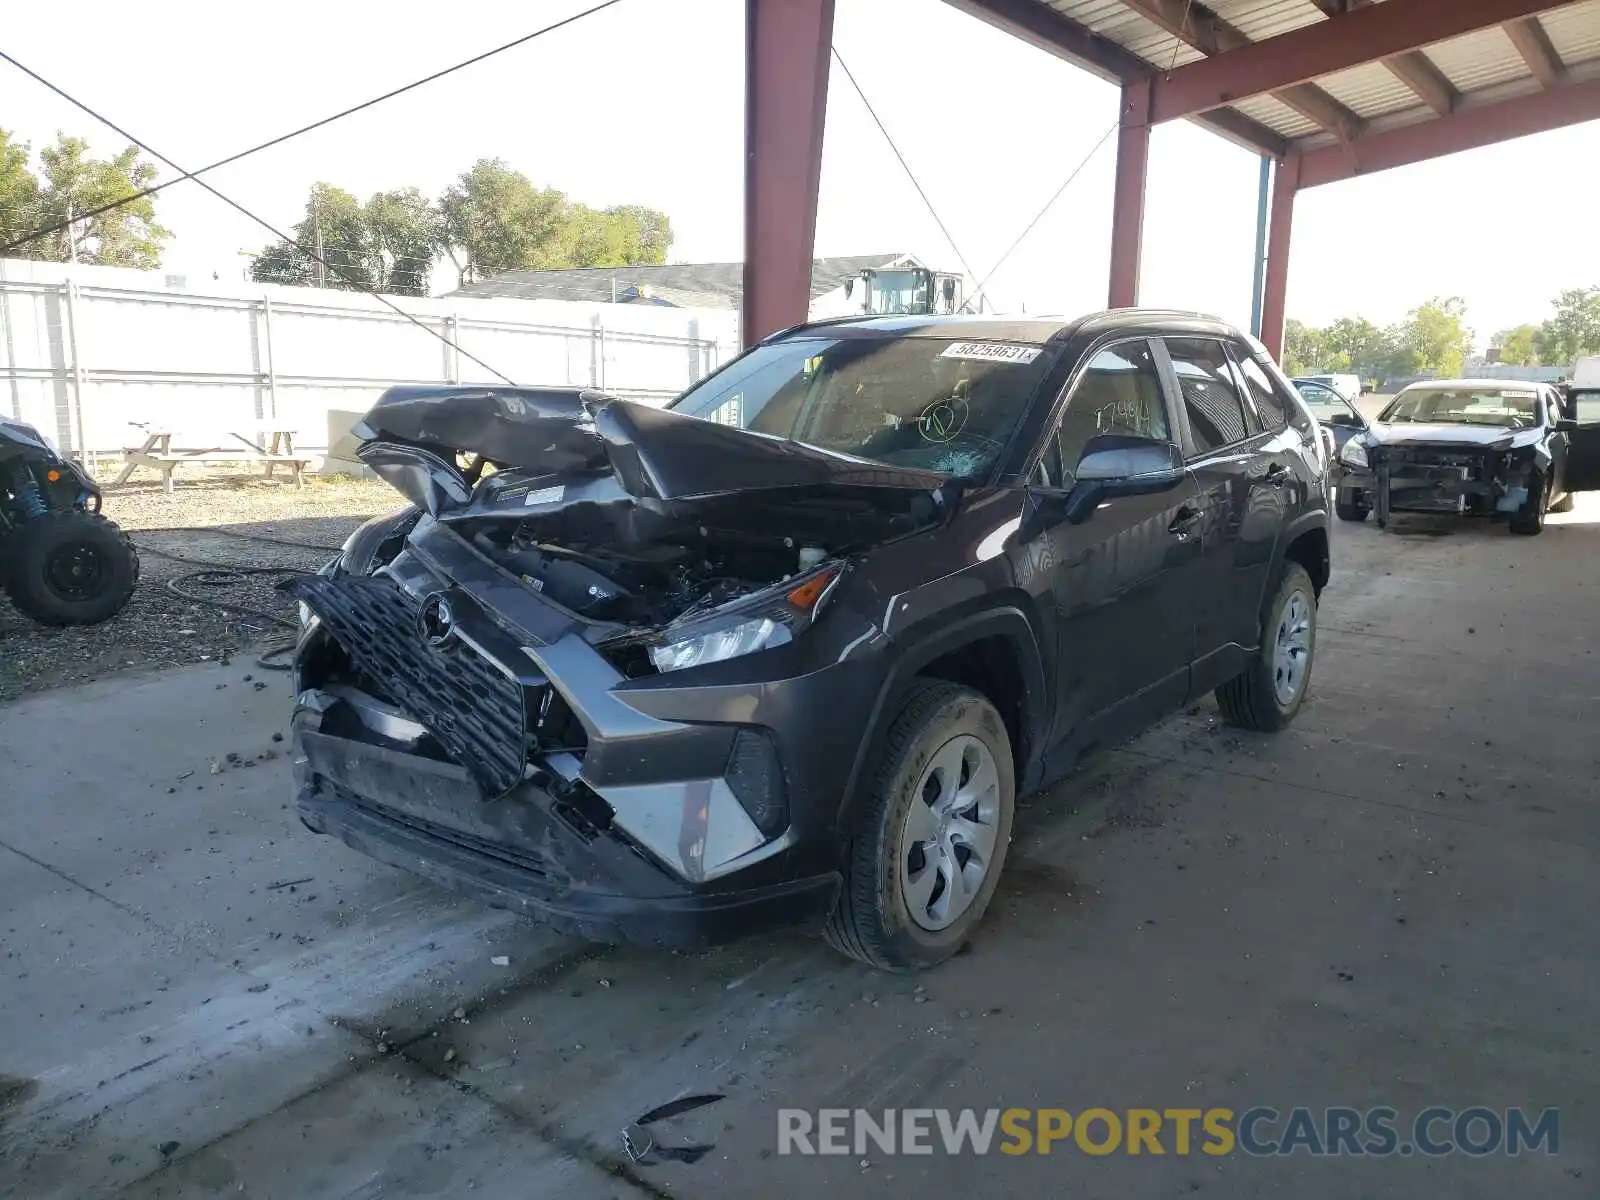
(760, 622)
(1354, 453)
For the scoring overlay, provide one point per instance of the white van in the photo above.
(1348, 386)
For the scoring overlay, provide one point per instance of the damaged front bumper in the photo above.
(453, 722)
(1442, 480)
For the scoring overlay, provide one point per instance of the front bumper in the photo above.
(1440, 482)
(527, 852)
(511, 759)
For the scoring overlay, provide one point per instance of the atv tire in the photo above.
(947, 751)
(1261, 697)
(70, 568)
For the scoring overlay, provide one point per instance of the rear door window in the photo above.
(1210, 398)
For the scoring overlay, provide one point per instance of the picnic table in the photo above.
(268, 443)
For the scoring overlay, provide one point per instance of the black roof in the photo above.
(1038, 330)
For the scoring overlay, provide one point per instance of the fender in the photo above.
(1009, 622)
(1316, 518)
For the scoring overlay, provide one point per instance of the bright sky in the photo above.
(644, 103)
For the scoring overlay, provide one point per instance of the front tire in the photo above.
(930, 839)
(1529, 519)
(1267, 694)
(71, 568)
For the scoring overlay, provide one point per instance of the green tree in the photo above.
(1434, 337)
(1302, 348)
(19, 196)
(1364, 348)
(71, 181)
(1517, 347)
(335, 228)
(1574, 330)
(494, 219)
(403, 234)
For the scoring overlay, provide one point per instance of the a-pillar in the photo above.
(1127, 213)
(786, 95)
(1285, 186)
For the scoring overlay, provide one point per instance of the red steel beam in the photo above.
(786, 98)
(1039, 25)
(1362, 35)
(1275, 293)
(1464, 129)
(1127, 211)
(1196, 25)
(1413, 68)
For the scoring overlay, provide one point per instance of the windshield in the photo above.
(1509, 409)
(1326, 405)
(934, 403)
(903, 291)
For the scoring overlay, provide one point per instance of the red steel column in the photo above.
(1285, 186)
(786, 95)
(1127, 211)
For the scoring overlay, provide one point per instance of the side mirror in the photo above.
(1118, 465)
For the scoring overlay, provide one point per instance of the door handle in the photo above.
(1184, 520)
(1277, 475)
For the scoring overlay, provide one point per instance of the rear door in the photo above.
(1583, 444)
(1242, 475)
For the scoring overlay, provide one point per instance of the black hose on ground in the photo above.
(219, 575)
(212, 574)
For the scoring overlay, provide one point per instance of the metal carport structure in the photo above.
(1324, 90)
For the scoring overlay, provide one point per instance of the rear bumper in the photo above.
(528, 851)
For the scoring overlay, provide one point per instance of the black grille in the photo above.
(473, 709)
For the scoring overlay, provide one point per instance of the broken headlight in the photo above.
(1354, 454)
(760, 622)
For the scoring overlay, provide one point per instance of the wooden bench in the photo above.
(157, 453)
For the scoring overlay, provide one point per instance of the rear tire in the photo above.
(1351, 511)
(948, 749)
(71, 568)
(1267, 694)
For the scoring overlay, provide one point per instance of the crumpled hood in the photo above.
(1468, 436)
(655, 454)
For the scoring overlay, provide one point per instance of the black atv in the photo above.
(61, 562)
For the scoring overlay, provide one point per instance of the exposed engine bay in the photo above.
(650, 584)
(633, 518)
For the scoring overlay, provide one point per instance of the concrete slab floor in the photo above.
(1389, 904)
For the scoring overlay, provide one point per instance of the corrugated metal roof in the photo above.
(1277, 116)
(1479, 60)
(1472, 63)
(1575, 32)
(1262, 19)
(1371, 90)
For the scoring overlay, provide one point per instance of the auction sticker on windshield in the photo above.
(991, 352)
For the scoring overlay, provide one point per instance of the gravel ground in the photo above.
(218, 519)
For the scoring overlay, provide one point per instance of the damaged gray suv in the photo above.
(788, 651)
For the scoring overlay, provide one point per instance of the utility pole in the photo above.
(316, 224)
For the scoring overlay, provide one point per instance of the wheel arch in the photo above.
(1306, 542)
(995, 651)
